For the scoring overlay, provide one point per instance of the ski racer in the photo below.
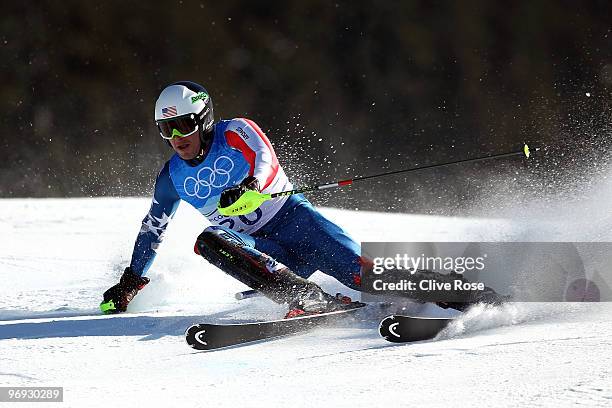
(275, 248)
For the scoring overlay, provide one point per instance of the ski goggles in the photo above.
(181, 126)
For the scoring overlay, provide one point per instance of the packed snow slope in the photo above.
(58, 256)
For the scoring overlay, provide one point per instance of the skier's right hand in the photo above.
(230, 195)
(117, 298)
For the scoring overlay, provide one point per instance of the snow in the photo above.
(58, 256)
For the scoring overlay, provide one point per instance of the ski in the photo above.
(404, 329)
(207, 336)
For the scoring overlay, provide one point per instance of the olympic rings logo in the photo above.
(201, 185)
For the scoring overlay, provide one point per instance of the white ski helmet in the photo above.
(183, 108)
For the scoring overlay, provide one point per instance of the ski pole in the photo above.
(247, 294)
(251, 200)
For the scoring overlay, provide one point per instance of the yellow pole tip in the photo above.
(526, 150)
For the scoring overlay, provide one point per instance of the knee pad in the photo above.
(255, 269)
(211, 239)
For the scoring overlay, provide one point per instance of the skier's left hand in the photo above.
(122, 293)
(231, 195)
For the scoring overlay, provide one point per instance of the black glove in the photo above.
(231, 195)
(122, 293)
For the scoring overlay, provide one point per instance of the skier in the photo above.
(273, 249)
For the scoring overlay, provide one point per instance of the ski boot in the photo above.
(316, 301)
(464, 301)
(456, 300)
(487, 296)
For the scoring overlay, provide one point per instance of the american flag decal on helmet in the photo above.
(169, 111)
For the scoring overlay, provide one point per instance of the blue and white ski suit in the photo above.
(289, 229)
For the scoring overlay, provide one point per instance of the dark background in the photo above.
(341, 88)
